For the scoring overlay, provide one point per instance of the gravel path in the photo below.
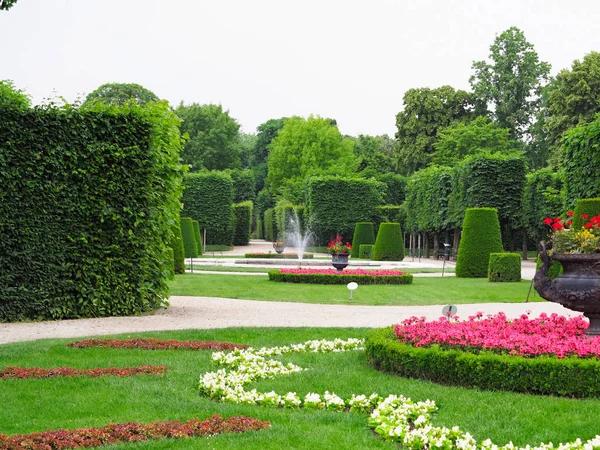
(208, 313)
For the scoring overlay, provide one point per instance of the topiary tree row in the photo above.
(363, 234)
(243, 222)
(389, 245)
(480, 237)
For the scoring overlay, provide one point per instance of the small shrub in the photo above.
(333, 277)
(366, 251)
(190, 246)
(278, 255)
(363, 234)
(589, 206)
(504, 267)
(197, 236)
(480, 237)
(389, 245)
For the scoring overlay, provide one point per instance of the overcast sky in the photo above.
(261, 59)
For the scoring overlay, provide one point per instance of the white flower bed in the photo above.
(395, 418)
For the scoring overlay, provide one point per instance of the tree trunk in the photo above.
(457, 232)
(436, 246)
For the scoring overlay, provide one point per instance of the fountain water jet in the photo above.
(295, 237)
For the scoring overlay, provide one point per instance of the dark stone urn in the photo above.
(578, 288)
(340, 261)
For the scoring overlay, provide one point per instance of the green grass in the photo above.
(38, 405)
(423, 291)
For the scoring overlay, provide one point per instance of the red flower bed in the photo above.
(156, 344)
(37, 372)
(129, 432)
(545, 335)
(373, 273)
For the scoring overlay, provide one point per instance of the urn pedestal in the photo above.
(340, 262)
(578, 288)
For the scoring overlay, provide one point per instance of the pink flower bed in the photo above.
(373, 273)
(129, 432)
(546, 335)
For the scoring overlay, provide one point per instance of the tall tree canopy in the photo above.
(426, 111)
(213, 137)
(460, 140)
(572, 98)
(510, 84)
(119, 93)
(375, 154)
(266, 132)
(305, 147)
(13, 97)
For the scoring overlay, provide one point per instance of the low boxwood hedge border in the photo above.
(545, 375)
(276, 275)
(277, 255)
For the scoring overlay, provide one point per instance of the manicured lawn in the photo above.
(37, 405)
(241, 268)
(423, 291)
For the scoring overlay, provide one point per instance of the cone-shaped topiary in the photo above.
(363, 234)
(589, 206)
(389, 245)
(189, 240)
(197, 236)
(178, 252)
(480, 237)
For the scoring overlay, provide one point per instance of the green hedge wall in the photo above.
(589, 206)
(389, 245)
(582, 162)
(208, 198)
(570, 377)
(543, 197)
(243, 222)
(190, 245)
(270, 225)
(364, 233)
(480, 237)
(176, 243)
(87, 203)
(504, 267)
(244, 186)
(427, 200)
(335, 204)
(366, 251)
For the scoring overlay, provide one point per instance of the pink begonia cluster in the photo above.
(546, 335)
(376, 273)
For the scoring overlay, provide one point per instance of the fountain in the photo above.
(295, 237)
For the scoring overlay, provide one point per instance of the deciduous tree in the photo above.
(119, 93)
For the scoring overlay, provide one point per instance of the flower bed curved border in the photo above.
(545, 375)
(156, 344)
(131, 432)
(278, 255)
(16, 372)
(343, 278)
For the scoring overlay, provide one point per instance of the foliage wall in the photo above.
(542, 197)
(243, 221)
(335, 204)
(88, 201)
(208, 198)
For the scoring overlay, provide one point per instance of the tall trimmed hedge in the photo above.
(270, 225)
(176, 243)
(543, 197)
(87, 203)
(208, 198)
(244, 186)
(389, 245)
(335, 204)
(243, 222)
(480, 237)
(198, 236)
(190, 245)
(363, 234)
(582, 162)
(589, 206)
(427, 197)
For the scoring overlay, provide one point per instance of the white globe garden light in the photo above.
(352, 286)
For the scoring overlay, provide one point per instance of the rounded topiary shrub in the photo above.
(197, 236)
(363, 234)
(589, 206)
(504, 267)
(480, 237)
(389, 245)
(190, 248)
(366, 251)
